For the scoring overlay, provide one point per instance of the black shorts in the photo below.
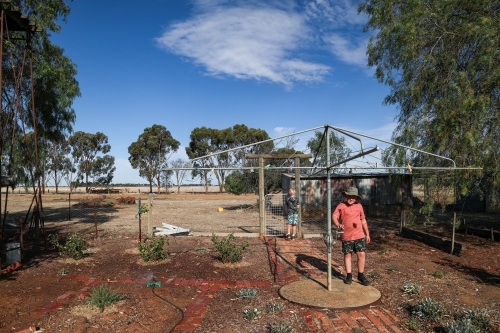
(358, 245)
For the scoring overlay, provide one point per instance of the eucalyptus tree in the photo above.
(45, 68)
(57, 159)
(86, 150)
(151, 152)
(208, 141)
(180, 174)
(442, 62)
(338, 149)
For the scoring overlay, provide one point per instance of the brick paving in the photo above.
(287, 266)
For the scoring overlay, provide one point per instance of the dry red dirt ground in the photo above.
(193, 280)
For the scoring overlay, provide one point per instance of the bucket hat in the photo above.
(352, 191)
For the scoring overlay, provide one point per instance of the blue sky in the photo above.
(282, 66)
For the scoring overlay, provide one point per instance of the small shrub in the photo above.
(411, 288)
(385, 250)
(102, 296)
(439, 273)
(410, 218)
(247, 293)
(73, 247)
(275, 307)
(201, 250)
(460, 326)
(479, 318)
(63, 271)
(250, 314)
(375, 275)
(228, 250)
(153, 250)
(413, 324)
(280, 327)
(428, 309)
(393, 269)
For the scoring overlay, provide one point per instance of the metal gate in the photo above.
(274, 219)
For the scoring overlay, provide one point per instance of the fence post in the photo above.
(139, 210)
(69, 208)
(453, 233)
(95, 219)
(150, 224)
(297, 190)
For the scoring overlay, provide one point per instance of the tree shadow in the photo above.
(479, 273)
(317, 263)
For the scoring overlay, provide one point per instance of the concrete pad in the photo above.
(315, 293)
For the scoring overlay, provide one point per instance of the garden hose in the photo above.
(165, 300)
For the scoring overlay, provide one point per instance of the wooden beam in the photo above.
(278, 156)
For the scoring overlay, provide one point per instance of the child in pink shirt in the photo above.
(350, 217)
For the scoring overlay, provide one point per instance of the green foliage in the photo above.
(385, 250)
(411, 288)
(275, 307)
(86, 148)
(445, 87)
(73, 247)
(103, 296)
(338, 148)
(63, 271)
(427, 209)
(375, 275)
(247, 293)
(479, 318)
(153, 250)
(149, 153)
(227, 248)
(205, 141)
(410, 218)
(460, 326)
(439, 273)
(393, 269)
(413, 324)
(281, 327)
(250, 314)
(428, 309)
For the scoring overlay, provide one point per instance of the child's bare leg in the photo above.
(347, 262)
(294, 230)
(288, 228)
(361, 261)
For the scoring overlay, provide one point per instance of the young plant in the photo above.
(275, 307)
(439, 273)
(250, 314)
(375, 275)
(479, 318)
(73, 247)
(247, 293)
(413, 324)
(102, 296)
(385, 250)
(393, 269)
(63, 271)
(153, 250)
(411, 288)
(428, 309)
(228, 250)
(280, 327)
(460, 326)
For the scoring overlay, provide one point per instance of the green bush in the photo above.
(411, 288)
(73, 247)
(251, 314)
(280, 327)
(247, 293)
(439, 273)
(275, 307)
(428, 309)
(227, 248)
(479, 318)
(460, 326)
(152, 250)
(102, 296)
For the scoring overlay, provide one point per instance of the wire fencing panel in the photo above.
(275, 220)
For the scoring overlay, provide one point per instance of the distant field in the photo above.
(123, 189)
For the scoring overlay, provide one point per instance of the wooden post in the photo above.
(69, 203)
(262, 207)
(453, 233)
(297, 193)
(139, 211)
(95, 219)
(150, 217)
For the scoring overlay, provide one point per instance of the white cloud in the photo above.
(246, 43)
(280, 131)
(337, 13)
(346, 50)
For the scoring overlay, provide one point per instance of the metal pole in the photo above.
(453, 233)
(139, 210)
(261, 196)
(329, 213)
(297, 190)
(95, 219)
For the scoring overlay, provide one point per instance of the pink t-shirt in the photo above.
(351, 217)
